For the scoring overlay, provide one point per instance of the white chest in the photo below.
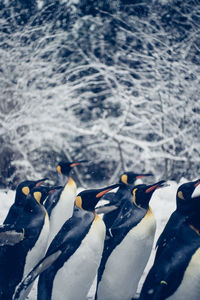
(39, 250)
(76, 276)
(126, 263)
(190, 285)
(63, 209)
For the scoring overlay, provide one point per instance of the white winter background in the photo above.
(115, 82)
(163, 203)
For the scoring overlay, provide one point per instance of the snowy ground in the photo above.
(162, 203)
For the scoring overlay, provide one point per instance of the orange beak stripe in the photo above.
(40, 182)
(74, 164)
(103, 193)
(152, 188)
(197, 184)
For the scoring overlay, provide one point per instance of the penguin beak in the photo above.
(73, 164)
(144, 175)
(39, 182)
(53, 188)
(196, 192)
(106, 190)
(156, 186)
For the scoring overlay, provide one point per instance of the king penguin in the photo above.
(17, 260)
(184, 205)
(72, 260)
(128, 249)
(127, 180)
(23, 189)
(175, 274)
(60, 204)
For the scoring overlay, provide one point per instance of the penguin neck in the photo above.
(123, 188)
(143, 204)
(62, 179)
(20, 199)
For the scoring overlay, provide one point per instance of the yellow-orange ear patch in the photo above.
(37, 196)
(134, 197)
(26, 190)
(180, 195)
(124, 178)
(78, 201)
(59, 169)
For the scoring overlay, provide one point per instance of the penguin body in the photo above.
(72, 260)
(128, 249)
(175, 273)
(185, 206)
(40, 223)
(63, 210)
(80, 269)
(17, 260)
(190, 279)
(125, 265)
(60, 204)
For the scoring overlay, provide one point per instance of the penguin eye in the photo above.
(37, 196)
(25, 190)
(124, 178)
(180, 195)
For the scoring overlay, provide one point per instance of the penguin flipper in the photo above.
(52, 200)
(24, 287)
(108, 196)
(9, 235)
(104, 209)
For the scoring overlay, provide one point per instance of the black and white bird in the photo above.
(175, 274)
(60, 204)
(116, 200)
(127, 250)
(22, 191)
(17, 259)
(72, 260)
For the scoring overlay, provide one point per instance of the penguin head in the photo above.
(187, 194)
(40, 193)
(24, 189)
(33, 202)
(142, 193)
(88, 199)
(129, 178)
(64, 167)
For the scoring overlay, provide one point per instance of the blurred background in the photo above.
(115, 82)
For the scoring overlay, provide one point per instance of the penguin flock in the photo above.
(65, 242)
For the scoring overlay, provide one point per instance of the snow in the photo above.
(163, 203)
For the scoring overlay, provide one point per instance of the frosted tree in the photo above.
(114, 82)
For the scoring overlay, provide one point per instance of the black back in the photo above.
(67, 241)
(12, 258)
(168, 269)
